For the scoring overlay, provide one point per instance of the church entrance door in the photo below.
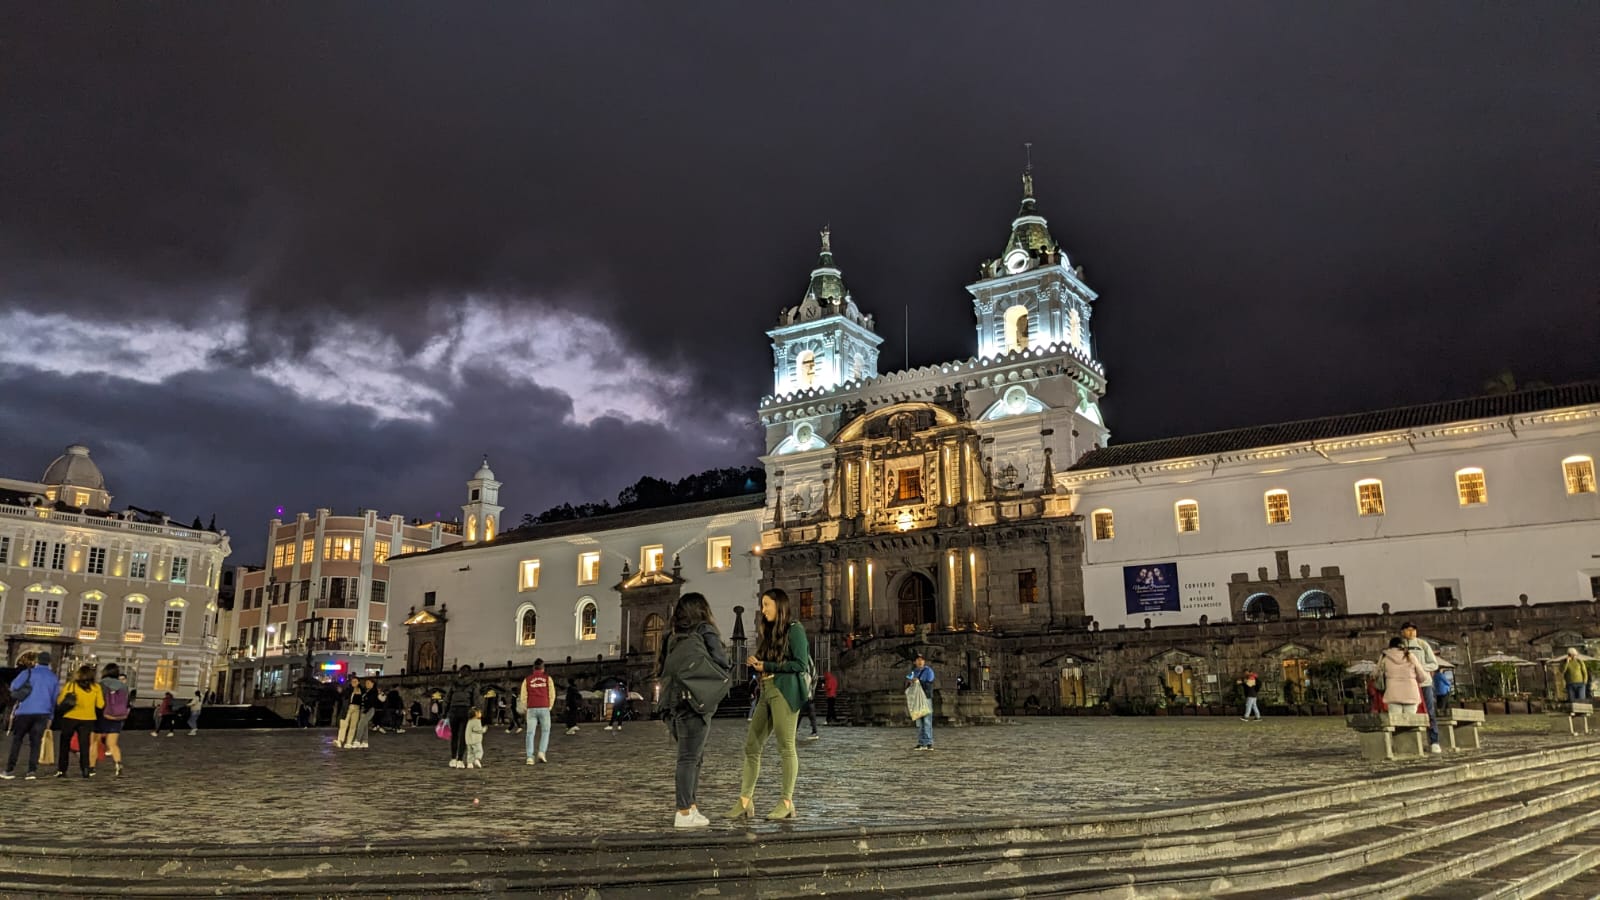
(916, 602)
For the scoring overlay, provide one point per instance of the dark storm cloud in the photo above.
(1287, 210)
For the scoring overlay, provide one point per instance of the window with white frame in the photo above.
(1188, 513)
(96, 564)
(308, 550)
(651, 559)
(139, 565)
(30, 608)
(133, 615)
(588, 620)
(174, 622)
(380, 552)
(1578, 472)
(589, 567)
(52, 610)
(1105, 526)
(342, 547)
(528, 627)
(58, 557)
(1277, 507)
(1369, 497)
(1471, 488)
(528, 575)
(89, 614)
(5, 549)
(180, 570)
(41, 553)
(719, 554)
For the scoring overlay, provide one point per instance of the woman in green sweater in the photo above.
(780, 658)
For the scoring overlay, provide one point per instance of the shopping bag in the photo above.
(47, 748)
(917, 702)
(442, 730)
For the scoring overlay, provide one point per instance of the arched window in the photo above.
(1018, 329)
(805, 366)
(527, 627)
(1105, 526)
(654, 625)
(1260, 608)
(488, 528)
(1471, 489)
(858, 367)
(1074, 328)
(133, 613)
(1315, 605)
(472, 528)
(1188, 513)
(1277, 507)
(1369, 497)
(588, 620)
(1579, 474)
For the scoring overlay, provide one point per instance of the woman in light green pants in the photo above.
(780, 657)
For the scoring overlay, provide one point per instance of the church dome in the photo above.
(75, 468)
(484, 473)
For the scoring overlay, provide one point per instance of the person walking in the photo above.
(1402, 676)
(459, 704)
(574, 704)
(830, 690)
(1423, 651)
(782, 653)
(1575, 674)
(366, 703)
(165, 717)
(1252, 696)
(537, 695)
(195, 706)
(474, 739)
(78, 706)
(108, 728)
(922, 674)
(691, 621)
(33, 698)
(618, 708)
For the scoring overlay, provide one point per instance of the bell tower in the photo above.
(480, 515)
(825, 341)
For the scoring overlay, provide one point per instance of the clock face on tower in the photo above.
(1016, 261)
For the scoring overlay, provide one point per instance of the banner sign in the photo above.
(1151, 588)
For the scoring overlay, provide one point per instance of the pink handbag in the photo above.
(442, 730)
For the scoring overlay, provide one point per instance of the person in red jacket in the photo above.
(830, 690)
(537, 695)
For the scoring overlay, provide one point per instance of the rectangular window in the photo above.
(166, 675)
(380, 552)
(1027, 586)
(180, 570)
(244, 638)
(41, 553)
(80, 499)
(133, 617)
(808, 605)
(338, 630)
(305, 590)
(380, 591)
(1579, 474)
(1369, 497)
(30, 609)
(1188, 515)
(174, 623)
(139, 565)
(1104, 526)
(97, 561)
(651, 558)
(908, 484)
(58, 557)
(589, 567)
(336, 592)
(1471, 489)
(1277, 507)
(375, 633)
(429, 598)
(308, 550)
(5, 550)
(528, 575)
(719, 554)
(342, 548)
(1444, 598)
(89, 615)
(52, 611)
(1594, 587)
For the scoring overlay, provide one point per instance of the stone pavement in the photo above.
(289, 785)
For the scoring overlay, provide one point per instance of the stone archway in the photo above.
(916, 601)
(1261, 608)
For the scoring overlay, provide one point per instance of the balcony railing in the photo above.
(52, 515)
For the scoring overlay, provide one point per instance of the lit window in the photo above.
(133, 614)
(1369, 497)
(283, 555)
(166, 675)
(97, 561)
(89, 615)
(719, 554)
(589, 567)
(806, 367)
(139, 565)
(588, 620)
(380, 552)
(180, 570)
(1017, 329)
(342, 548)
(308, 550)
(1277, 507)
(528, 579)
(908, 484)
(1471, 488)
(1104, 527)
(651, 558)
(529, 628)
(30, 609)
(1074, 328)
(1027, 586)
(1188, 512)
(1579, 472)
(808, 604)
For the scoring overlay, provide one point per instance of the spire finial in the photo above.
(827, 244)
(1027, 170)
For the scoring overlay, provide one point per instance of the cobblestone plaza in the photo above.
(289, 785)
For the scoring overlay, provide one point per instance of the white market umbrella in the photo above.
(1362, 667)
(635, 695)
(1503, 659)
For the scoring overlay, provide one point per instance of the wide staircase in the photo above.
(1507, 825)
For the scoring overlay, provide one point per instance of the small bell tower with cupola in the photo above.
(825, 341)
(480, 515)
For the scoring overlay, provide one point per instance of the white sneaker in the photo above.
(193, 732)
(339, 744)
(456, 764)
(692, 820)
(609, 727)
(530, 761)
(572, 730)
(542, 759)
(1435, 748)
(477, 764)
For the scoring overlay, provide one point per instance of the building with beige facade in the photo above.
(96, 586)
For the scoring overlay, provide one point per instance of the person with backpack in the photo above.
(537, 696)
(694, 673)
(78, 706)
(783, 662)
(33, 698)
(459, 704)
(108, 728)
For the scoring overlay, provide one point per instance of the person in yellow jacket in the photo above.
(77, 707)
(1575, 675)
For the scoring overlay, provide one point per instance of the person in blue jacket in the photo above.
(33, 713)
(922, 673)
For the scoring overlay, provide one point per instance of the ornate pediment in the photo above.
(422, 618)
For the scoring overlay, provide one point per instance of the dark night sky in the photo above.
(300, 254)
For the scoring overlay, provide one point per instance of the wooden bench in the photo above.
(1575, 720)
(1458, 729)
(1390, 735)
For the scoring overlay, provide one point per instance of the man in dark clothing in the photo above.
(459, 704)
(574, 703)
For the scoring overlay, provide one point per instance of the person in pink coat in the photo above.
(1402, 676)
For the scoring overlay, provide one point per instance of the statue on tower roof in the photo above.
(827, 246)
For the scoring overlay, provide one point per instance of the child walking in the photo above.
(475, 739)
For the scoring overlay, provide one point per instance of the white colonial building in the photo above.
(577, 589)
(1472, 502)
(96, 586)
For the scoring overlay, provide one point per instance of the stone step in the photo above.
(1529, 875)
(1585, 886)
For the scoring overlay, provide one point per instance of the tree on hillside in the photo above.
(650, 492)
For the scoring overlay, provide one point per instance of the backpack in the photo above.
(690, 677)
(808, 680)
(116, 705)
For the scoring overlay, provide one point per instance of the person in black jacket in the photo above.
(691, 621)
(459, 703)
(574, 704)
